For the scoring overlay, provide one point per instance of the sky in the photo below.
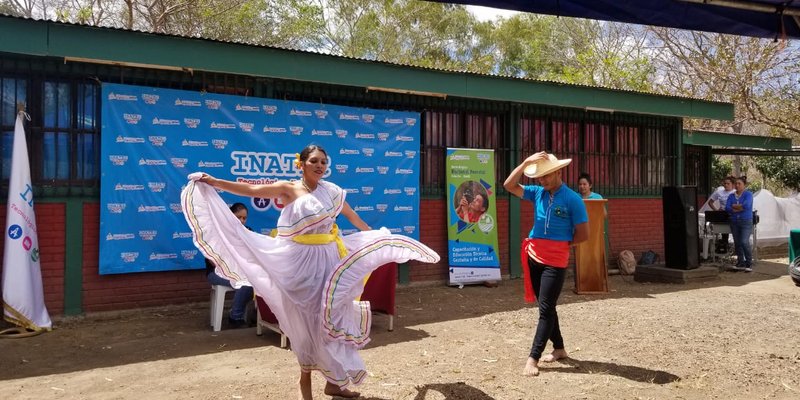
(486, 13)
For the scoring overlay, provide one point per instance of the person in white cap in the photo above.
(560, 221)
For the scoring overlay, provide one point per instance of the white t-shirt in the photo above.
(721, 196)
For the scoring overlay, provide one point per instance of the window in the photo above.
(622, 158)
(654, 150)
(626, 157)
(695, 166)
(12, 92)
(566, 144)
(597, 154)
(88, 142)
(69, 141)
(55, 138)
(533, 133)
(485, 131)
(442, 129)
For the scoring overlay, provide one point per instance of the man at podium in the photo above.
(560, 221)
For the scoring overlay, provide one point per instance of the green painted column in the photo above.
(514, 214)
(73, 265)
(709, 174)
(679, 163)
(404, 273)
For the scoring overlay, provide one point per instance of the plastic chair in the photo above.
(217, 305)
(265, 318)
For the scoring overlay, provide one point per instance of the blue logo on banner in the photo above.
(153, 138)
(15, 231)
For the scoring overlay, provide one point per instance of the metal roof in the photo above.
(740, 144)
(153, 50)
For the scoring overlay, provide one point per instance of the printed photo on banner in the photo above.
(471, 201)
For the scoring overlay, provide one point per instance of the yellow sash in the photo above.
(325, 238)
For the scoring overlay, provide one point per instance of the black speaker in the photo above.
(681, 237)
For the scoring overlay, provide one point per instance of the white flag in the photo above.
(23, 298)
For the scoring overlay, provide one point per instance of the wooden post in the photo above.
(591, 271)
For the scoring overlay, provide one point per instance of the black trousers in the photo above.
(547, 282)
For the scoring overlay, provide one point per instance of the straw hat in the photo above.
(544, 167)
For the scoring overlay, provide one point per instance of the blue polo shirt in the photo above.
(556, 219)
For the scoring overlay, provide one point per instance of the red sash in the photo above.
(530, 297)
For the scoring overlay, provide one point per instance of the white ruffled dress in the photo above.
(309, 288)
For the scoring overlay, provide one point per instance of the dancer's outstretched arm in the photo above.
(279, 189)
(353, 217)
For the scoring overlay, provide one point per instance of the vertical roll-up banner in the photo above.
(472, 216)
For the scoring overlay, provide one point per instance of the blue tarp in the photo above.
(671, 13)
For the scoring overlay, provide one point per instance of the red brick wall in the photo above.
(50, 224)
(122, 291)
(433, 232)
(502, 238)
(634, 224)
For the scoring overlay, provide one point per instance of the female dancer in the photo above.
(308, 274)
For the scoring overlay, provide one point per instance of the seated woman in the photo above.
(243, 295)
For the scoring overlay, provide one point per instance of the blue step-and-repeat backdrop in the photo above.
(153, 138)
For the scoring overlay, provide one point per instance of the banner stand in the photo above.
(471, 218)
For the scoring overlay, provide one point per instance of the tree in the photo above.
(532, 46)
(26, 8)
(418, 33)
(573, 51)
(720, 169)
(757, 75)
(610, 54)
(6, 7)
(784, 170)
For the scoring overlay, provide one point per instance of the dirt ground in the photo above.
(734, 338)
